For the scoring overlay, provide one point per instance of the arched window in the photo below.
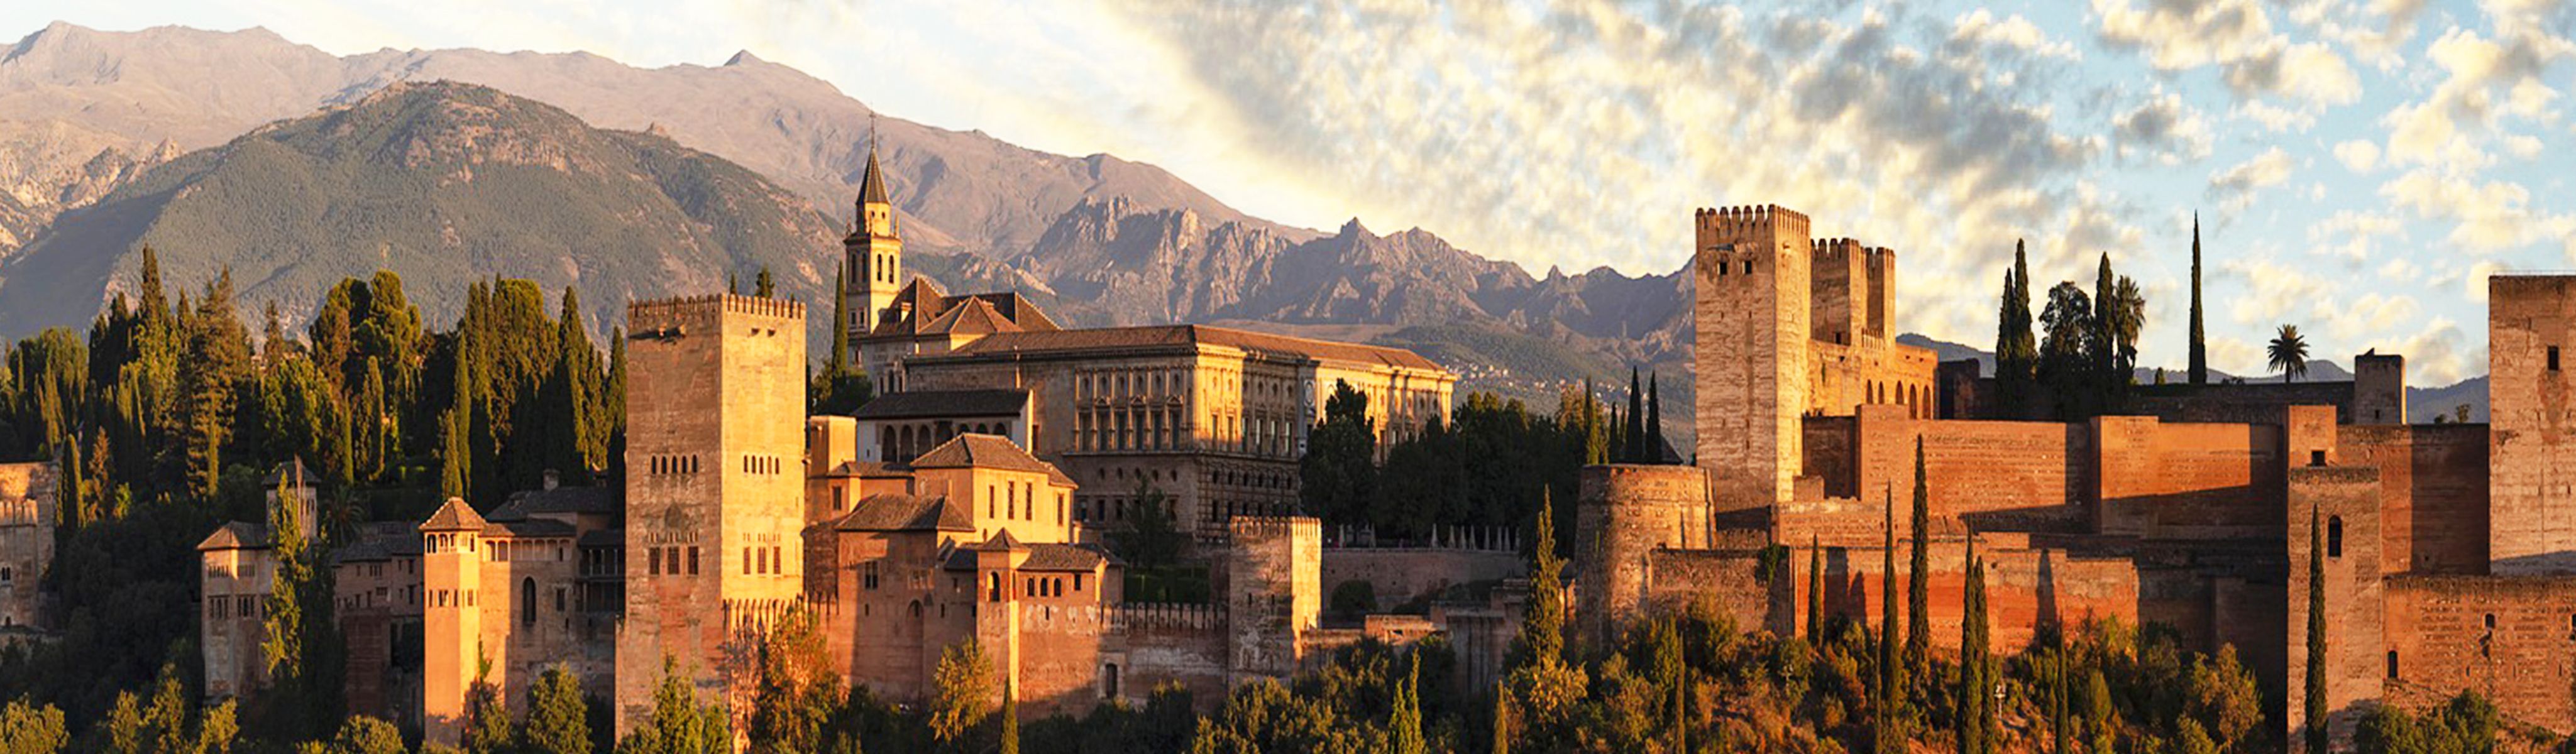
(527, 601)
(2334, 536)
(993, 591)
(1109, 681)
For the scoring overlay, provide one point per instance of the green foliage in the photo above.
(1151, 540)
(797, 692)
(1339, 471)
(1353, 598)
(1815, 590)
(558, 719)
(1541, 641)
(2315, 711)
(2016, 351)
(359, 734)
(841, 388)
(1404, 722)
(1918, 592)
(962, 695)
(26, 728)
(2199, 367)
(2467, 724)
(1010, 715)
(678, 724)
(2288, 352)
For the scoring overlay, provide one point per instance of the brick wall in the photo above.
(1750, 355)
(2432, 494)
(1975, 469)
(1625, 512)
(2206, 481)
(2342, 502)
(2512, 639)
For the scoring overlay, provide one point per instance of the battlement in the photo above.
(1744, 222)
(1242, 528)
(24, 513)
(1165, 615)
(639, 313)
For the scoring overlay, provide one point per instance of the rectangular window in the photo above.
(693, 561)
(2553, 358)
(653, 561)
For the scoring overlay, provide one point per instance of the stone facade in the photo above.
(2447, 548)
(28, 511)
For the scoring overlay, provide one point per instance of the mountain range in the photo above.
(293, 167)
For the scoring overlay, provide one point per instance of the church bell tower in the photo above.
(872, 268)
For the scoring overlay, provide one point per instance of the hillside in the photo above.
(70, 96)
(441, 183)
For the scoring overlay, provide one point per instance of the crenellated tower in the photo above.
(1754, 319)
(715, 484)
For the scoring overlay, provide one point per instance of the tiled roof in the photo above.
(1042, 557)
(380, 540)
(931, 310)
(971, 316)
(872, 188)
(987, 452)
(878, 469)
(891, 511)
(1182, 336)
(600, 538)
(920, 404)
(529, 528)
(454, 516)
(236, 535)
(1001, 542)
(568, 500)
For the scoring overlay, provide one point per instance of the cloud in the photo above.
(2352, 234)
(2234, 188)
(2357, 155)
(2237, 37)
(2487, 216)
(2165, 128)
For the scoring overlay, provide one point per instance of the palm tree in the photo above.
(2289, 353)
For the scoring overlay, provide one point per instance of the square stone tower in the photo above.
(2531, 458)
(1753, 315)
(2379, 389)
(715, 484)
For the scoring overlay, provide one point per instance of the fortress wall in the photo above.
(2336, 507)
(2438, 630)
(2240, 403)
(1404, 575)
(1729, 579)
(1973, 467)
(2432, 494)
(2188, 480)
(2026, 588)
(1831, 454)
(1169, 644)
(1059, 652)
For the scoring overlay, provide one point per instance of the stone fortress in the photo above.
(2450, 549)
(968, 503)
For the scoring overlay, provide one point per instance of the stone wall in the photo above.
(1405, 575)
(2027, 587)
(27, 515)
(2193, 481)
(1730, 580)
(1750, 356)
(1274, 592)
(2432, 494)
(2510, 638)
(2532, 467)
(1985, 471)
(2338, 505)
(1152, 645)
(1624, 513)
(2379, 389)
(2239, 403)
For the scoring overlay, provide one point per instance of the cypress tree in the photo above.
(1918, 592)
(764, 286)
(1815, 591)
(1654, 419)
(1404, 722)
(1976, 710)
(1010, 706)
(1542, 636)
(2016, 348)
(1681, 721)
(2199, 348)
(2316, 681)
(1502, 735)
(1636, 440)
(1891, 693)
(2057, 700)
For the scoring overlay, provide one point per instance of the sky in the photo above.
(2357, 167)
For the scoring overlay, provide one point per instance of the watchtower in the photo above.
(714, 486)
(2531, 461)
(1624, 513)
(1754, 323)
(451, 617)
(2379, 389)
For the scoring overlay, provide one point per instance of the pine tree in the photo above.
(1918, 591)
(1815, 591)
(2316, 680)
(2199, 347)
